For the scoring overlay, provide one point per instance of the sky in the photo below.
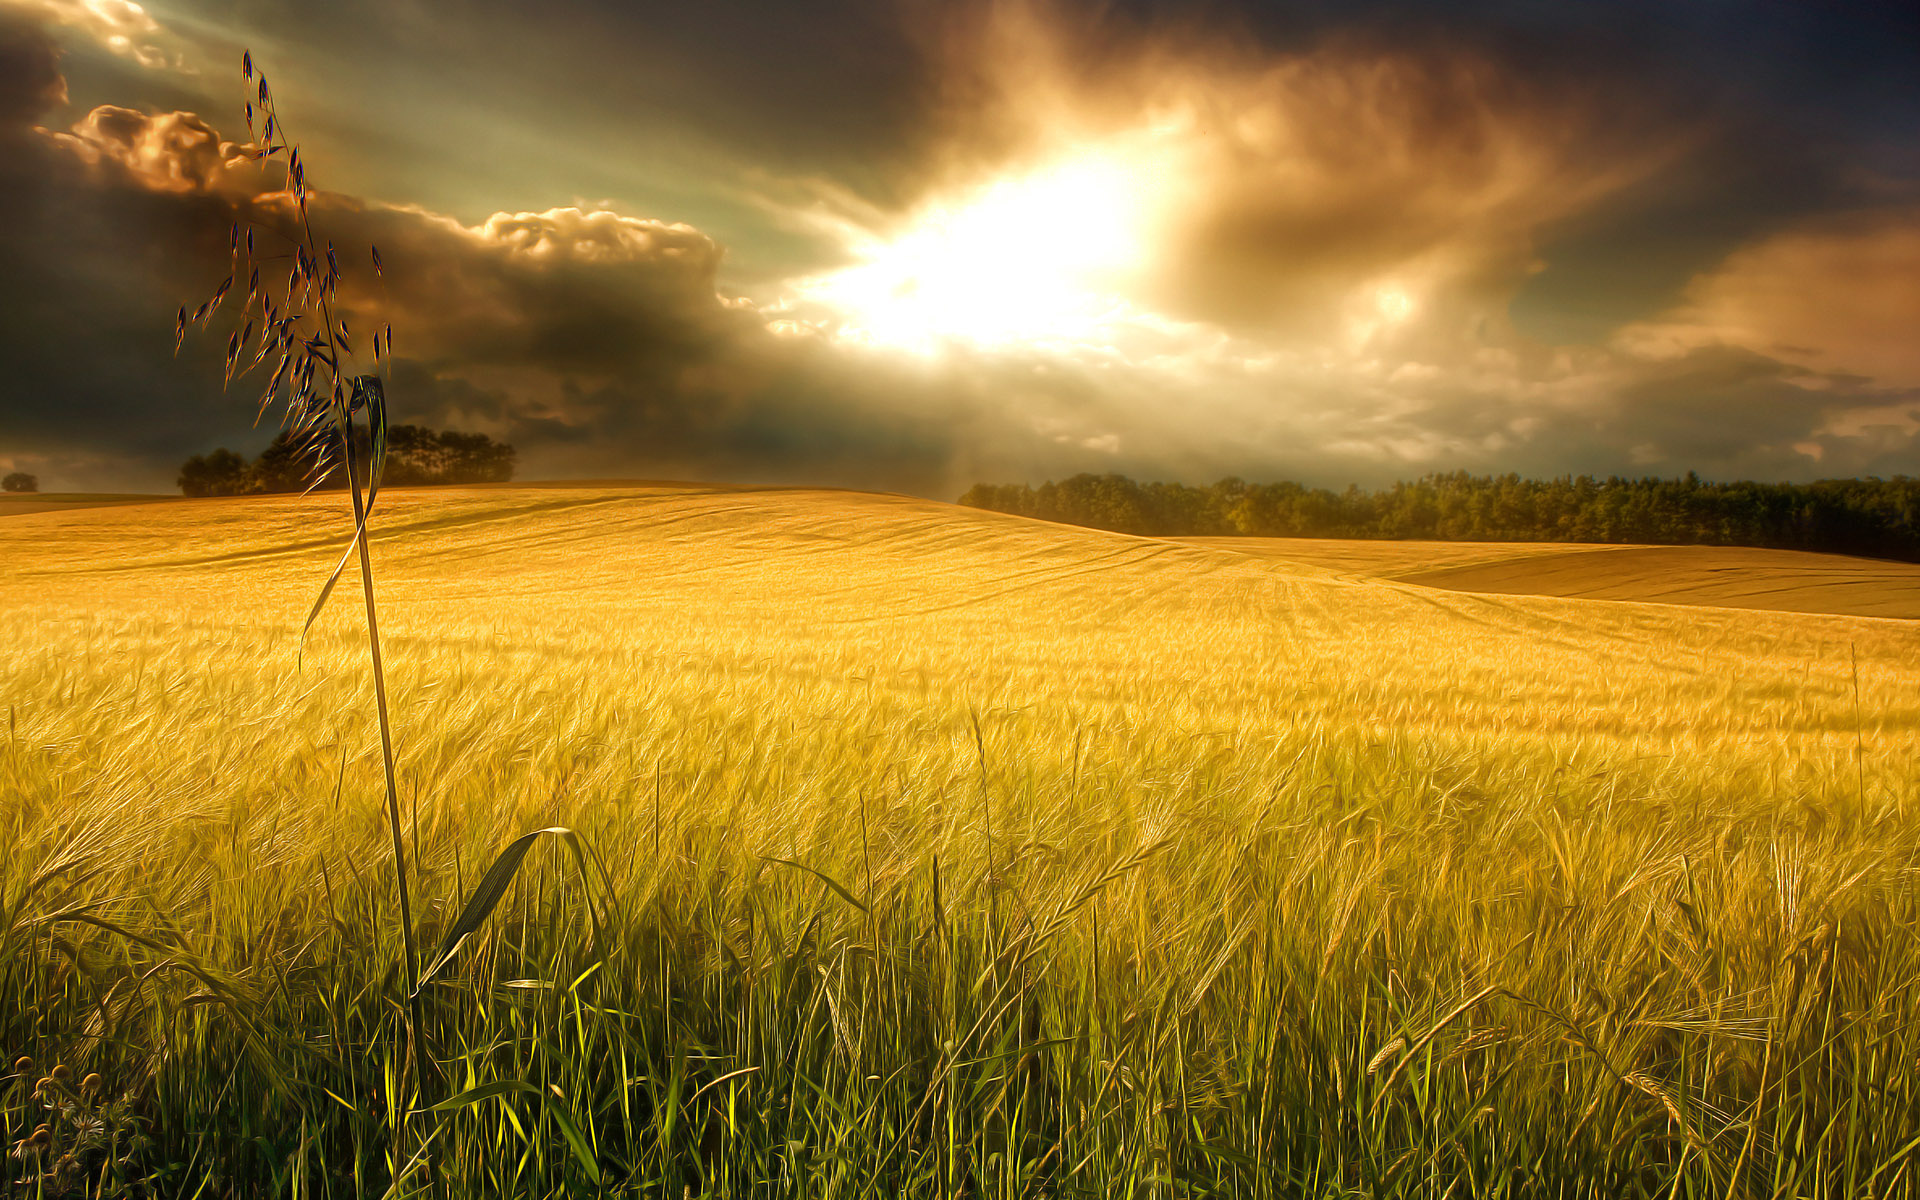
(914, 245)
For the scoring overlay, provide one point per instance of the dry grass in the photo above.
(1147, 861)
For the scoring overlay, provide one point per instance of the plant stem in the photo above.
(419, 1032)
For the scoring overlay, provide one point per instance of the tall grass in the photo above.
(323, 396)
(326, 405)
(1549, 899)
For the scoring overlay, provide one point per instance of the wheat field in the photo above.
(935, 852)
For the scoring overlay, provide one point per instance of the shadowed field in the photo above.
(1726, 576)
(1135, 859)
(1717, 576)
(23, 504)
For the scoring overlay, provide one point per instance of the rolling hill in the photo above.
(849, 590)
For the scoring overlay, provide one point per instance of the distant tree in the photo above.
(221, 473)
(475, 458)
(1874, 517)
(415, 455)
(20, 481)
(284, 466)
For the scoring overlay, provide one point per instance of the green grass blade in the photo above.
(576, 1140)
(370, 392)
(822, 876)
(486, 895)
(483, 1092)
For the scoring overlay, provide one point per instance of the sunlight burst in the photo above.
(1039, 256)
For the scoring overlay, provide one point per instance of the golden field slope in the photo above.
(1725, 576)
(26, 503)
(869, 595)
(1717, 576)
(152, 649)
(1251, 827)
(1379, 558)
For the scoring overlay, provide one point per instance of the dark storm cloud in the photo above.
(1367, 166)
(84, 257)
(1722, 405)
(682, 108)
(595, 342)
(1702, 125)
(1630, 237)
(30, 80)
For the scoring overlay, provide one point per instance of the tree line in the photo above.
(1874, 517)
(415, 455)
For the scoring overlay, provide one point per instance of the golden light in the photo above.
(1042, 255)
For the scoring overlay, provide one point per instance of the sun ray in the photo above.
(1041, 255)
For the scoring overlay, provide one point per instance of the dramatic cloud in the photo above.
(1287, 188)
(596, 342)
(121, 26)
(909, 247)
(1838, 295)
(30, 80)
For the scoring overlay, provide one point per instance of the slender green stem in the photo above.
(414, 1011)
(1859, 738)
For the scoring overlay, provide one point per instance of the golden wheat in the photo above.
(1117, 859)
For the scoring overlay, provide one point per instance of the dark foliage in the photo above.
(20, 481)
(222, 473)
(1874, 517)
(415, 455)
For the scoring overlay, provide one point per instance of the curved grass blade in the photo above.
(582, 1151)
(344, 423)
(371, 394)
(483, 1092)
(822, 876)
(569, 1128)
(492, 887)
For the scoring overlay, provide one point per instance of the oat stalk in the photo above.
(323, 404)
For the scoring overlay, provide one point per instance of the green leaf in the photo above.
(569, 1129)
(485, 1091)
(581, 1150)
(822, 876)
(1018, 1051)
(371, 394)
(343, 425)
(326, 589)
(672, 1105)
(488, 893)
(1236, 1157)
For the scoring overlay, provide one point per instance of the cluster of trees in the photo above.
(20, 481)
(415, 455)
(1875, 517)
